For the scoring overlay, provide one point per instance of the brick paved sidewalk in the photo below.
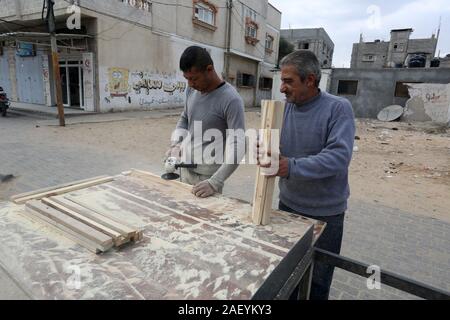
(412, 246)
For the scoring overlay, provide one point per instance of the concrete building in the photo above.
(316, 40)
(395, 53)
(126, 54)
(371, 90)
(445, 62)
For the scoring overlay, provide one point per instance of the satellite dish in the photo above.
(391, 113)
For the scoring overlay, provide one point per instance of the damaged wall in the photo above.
(429, 102)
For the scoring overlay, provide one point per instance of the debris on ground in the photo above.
(6, 178)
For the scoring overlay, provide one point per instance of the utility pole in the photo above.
(228, 39)
(55, 60)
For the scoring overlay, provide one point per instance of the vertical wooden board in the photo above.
(272, 118)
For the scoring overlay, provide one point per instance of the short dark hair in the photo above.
(197, 57)
(306, 63)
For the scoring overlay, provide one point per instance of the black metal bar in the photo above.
(388, 278)
(304, 288)
(278, 278)
(296, 277)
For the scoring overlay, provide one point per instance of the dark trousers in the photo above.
(330, 240)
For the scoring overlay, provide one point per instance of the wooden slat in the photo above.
(80, 228)
(65, 185)
(66, 232)
(116, 236)
(59, 191)
(95, 204)
(124, 230)
(272, 118)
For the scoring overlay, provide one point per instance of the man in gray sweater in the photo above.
(202, 136)
(316, 149)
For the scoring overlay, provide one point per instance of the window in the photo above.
(251, 27)
(249, 14)
(251, 31)
(303, 45)
(369, 58)
(265, 83)
(399, 47)
(204, 13)
(245, 80)
(269, 43)
(348, 87)
(401, 90)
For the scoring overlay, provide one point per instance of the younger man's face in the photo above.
(198, 80)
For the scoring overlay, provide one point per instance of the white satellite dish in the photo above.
(391, 113)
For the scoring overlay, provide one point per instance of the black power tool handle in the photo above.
(188, 166)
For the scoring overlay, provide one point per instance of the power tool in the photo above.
(171, 165)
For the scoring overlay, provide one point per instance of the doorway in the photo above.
(71, 72)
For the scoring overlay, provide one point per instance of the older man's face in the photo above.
(296, 90)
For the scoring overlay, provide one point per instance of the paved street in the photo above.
(416, 247)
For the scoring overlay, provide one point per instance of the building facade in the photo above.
(316, 40)
(125, 55)
(396, 53)
(372, 90)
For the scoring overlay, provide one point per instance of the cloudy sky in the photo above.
(345, 20)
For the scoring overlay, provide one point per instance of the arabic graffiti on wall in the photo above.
(436, 99)
(125, 89)
(144, 82)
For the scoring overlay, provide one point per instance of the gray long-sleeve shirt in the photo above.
(213, 113)
(318, 139)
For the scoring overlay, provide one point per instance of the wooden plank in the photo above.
(80, 228)
(59, 191)
(103, 202)
(124, 230)
(272, 118)
(65, 185)
(66, 232)
(116, 236)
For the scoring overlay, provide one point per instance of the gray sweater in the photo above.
(318, 139)
(220, 110)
